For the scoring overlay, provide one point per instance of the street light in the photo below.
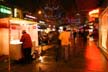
(39, 12)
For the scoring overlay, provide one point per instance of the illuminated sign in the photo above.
(17, 13)
(5, 10)
(94, 13)
(29, 16)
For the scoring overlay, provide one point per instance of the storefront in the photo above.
(103, 32)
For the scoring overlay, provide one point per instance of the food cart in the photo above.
(16, 27)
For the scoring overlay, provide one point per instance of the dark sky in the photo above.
(26, 4)
(68, 5)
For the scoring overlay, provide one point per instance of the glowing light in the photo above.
(41, 59)
(15, 12)
(93, 56)
(31, 16)
(94, 13)
(6, 10)
(21, 21)
(39, 12)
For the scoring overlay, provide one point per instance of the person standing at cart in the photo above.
(26, 46)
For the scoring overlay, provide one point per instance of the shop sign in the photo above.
(29, 17)
(5, 10)
(94, 13)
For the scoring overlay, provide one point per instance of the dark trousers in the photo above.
(27, 55)
(57, 51)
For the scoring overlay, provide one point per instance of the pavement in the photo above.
(85, 57)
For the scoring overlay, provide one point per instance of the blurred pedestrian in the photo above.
(72, 44)
(26, 46)
(56, 43)
(74, 34)
(65, 43)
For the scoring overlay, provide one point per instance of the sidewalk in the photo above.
(87, 59)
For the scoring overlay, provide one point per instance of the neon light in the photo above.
(94, 11)
(15, 12)
(29, 16)
(4, 9)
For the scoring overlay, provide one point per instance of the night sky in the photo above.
(68, 5)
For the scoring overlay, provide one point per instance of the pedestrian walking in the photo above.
(56, 43)
(65, 43)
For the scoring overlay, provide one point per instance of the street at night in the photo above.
(84, 58)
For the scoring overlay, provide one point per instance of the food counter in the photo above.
(15, 50)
